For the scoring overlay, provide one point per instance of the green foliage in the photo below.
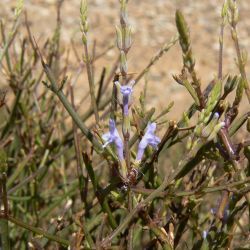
(61, 187)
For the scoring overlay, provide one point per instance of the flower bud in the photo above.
(230, 84)
(83, 12)
(224, 10)
(149, 138)
(123, 13)
(19, 8)
(123, 63)
(206, 132)
(198, 130)
(128, 39)
(118, 38)
(215, 131)
(189, 143)
(84, 38)
(244, 57)
(239, 92)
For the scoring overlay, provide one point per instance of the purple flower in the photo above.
(126, 91)
(204, 234)
(113, 137)
(148, 139)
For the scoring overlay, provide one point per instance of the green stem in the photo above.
(4, 226)
(12, 116)
(97, 145)
(88, 235)
(131, 215)
(9, 41)
(91, 83)
(79, 160)
(76, 118)
(4, 232)
(131, 227)
(7, 56)
(98, 191)
(38, 231)
(206, 190)
(55, 204)
(19, 168)
(241, 64)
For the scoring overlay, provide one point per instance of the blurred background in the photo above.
(153, 25)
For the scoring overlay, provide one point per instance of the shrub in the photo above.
(114, 184)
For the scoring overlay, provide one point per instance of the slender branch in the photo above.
(221, 38)
(198, 191)
(79, 160)
(58, 91)
(4, 225)
(88, 60)
(131, 215)
(91, 82)
(165, 48)
(38, 231)
(242, 58)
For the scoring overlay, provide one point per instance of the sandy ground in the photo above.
(153, 25)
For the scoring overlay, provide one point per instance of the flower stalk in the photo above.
(4, 225)
(233, 18)
(188, 58)
(124, 41)
(113, 137)
(87, 58)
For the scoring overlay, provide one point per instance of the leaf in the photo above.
(213, 97)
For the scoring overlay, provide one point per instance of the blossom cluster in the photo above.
(149, 138)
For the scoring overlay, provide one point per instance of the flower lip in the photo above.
(112, 126)
(113, 137)
(149, 138)
(126, 90)
(151, 128)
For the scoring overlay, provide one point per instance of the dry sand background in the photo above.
(153, 24)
